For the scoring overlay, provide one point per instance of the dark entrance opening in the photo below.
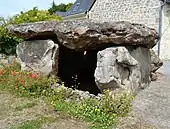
(76, 69)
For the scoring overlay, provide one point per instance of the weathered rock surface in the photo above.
(123, 67)
(39, 56)
(156, 63)
(85, 34)
(125, 64)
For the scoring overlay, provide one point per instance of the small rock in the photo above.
(153, 76)
(4, 61)
(86, 95)
(11, 59)
(55, 86)
(156, 62)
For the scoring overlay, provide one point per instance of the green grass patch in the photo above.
(103, 113)
(25, 105)
(91, 114)
(34, 124)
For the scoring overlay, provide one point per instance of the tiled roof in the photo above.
(80, 6)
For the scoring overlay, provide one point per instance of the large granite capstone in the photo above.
(85, 34)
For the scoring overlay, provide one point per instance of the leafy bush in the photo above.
(7, 41)
(33, 15)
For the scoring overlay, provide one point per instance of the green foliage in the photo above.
(33, 15)
(68, 6)
(25, 83)
(118, 104)
(34, 124)
(2, 21)
(103, 113)
(24, 106)
(59, 8)
(7, 41)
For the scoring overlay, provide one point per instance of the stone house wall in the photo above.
(165, 38)
(145, 12)
(134, 11)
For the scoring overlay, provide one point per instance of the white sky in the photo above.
(11, 7)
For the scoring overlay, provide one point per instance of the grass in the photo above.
(25, 105)
(33, 124)
(11, 118)
(99, 119)
(103, 113)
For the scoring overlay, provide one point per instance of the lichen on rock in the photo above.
(121, 48)
(85, 34)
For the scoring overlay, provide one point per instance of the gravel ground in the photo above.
(152, 105)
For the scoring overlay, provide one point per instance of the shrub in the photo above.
(33, 15)
(7, 41)
(25, 83)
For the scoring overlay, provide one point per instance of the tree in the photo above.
(68, 6)
(8, 42)
(2, 20)
(59, 8)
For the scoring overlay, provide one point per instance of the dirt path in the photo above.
(153, 104)
(151, 107)
(29, 113)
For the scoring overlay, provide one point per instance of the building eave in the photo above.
(75, 16)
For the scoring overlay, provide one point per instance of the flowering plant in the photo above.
(24, 82)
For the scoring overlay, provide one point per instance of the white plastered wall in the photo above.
(165, 38)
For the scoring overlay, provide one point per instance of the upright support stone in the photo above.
(39, 56)
(121, 67)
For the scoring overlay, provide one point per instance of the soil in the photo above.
(15, 111)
